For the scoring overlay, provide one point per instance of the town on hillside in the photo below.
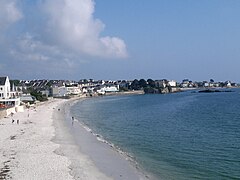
(16, 92)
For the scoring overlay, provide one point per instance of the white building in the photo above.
(59, 91)
(64, 91)
(206, 84)
(112, 88)
(73, 90)
(4, 88)
(228, 83)
(108, 89)
(172, 83)
(8, 98)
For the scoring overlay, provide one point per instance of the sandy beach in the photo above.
(44, 146)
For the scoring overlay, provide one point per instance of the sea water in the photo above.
(186, 135)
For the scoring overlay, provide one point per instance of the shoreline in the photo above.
(45, 145)
(81, 167)
(109, 160)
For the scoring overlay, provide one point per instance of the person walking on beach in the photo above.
(18, 121)
(72, 120)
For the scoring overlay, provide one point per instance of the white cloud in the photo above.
(114, 45)
(28, 48)
(52, 33)
(9, 13)
(71, 23)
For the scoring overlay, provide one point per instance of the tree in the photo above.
(135, 85)
(38, 95)
(151, 83)
(142, 83)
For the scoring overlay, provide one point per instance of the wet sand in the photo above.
(104, 157)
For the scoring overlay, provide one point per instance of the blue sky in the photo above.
(75, 39)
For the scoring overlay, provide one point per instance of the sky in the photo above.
(127, 39)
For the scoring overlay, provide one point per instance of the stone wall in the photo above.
(3, 113)
(7, 112)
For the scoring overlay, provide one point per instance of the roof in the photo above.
(3, 81)
(27, 98)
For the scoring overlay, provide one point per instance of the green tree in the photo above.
(38, 95)
(211, 80)
(142, 83)
(135, 85)
(151, 83)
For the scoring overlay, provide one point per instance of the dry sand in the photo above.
(28, 152)
(41, 147)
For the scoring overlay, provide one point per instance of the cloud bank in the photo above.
(53, 31)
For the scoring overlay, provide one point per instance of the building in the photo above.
(4, 88)
(228, 84)
(59, 91)
(107, 89)
(65, 91)
(8, 96)
(73, 90)
(161, 83)
(172, 83)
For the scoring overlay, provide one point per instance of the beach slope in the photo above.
(42, 146)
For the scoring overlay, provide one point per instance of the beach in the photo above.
(44, 146)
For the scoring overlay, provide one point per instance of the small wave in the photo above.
(101, 139)
(87, 129)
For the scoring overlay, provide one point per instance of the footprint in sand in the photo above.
(13, 137)
(4, 172)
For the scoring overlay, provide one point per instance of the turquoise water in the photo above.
(173, 136)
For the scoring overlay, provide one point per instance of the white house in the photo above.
(206, 84)
(112, 88)
(228, 83)
(4, 88)
(7, 97)
(73, 90)
(108, 89)
(172, 83)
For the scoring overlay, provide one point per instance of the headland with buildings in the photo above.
(14, 93)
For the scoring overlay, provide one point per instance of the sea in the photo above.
(186, 135)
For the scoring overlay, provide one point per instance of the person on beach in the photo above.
(12, 120)
(72, 120)
(18, 121)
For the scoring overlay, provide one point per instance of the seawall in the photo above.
(8, 111)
